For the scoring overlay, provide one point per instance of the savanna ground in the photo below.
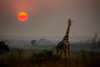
(48, 59)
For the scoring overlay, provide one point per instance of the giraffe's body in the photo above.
(64, 45)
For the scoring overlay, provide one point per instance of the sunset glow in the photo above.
(22, 16)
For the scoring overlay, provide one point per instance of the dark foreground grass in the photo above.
(47, 59)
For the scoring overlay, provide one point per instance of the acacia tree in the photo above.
(33, 42)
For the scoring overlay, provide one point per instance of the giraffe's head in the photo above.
(69, 22)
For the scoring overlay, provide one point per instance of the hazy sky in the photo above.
(49, 17)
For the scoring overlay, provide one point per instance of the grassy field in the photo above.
(49, 59)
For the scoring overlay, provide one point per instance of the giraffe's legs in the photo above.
(65, 52)
(68, 49)
(61, 52)
(68, 52)
(57, 51)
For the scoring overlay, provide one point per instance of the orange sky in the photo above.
(48, 17)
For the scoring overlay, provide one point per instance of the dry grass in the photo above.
(84, 59)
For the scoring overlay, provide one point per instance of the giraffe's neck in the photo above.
(66, 37)
(67, 33)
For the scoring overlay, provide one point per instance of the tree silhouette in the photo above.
(33, 42)
(3, 47)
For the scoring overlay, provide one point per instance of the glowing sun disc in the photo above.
(22, 16)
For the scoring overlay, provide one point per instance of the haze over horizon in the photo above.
(49, 18)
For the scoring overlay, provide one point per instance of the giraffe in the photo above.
(64, 45)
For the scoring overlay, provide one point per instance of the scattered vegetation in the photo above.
(46, 58)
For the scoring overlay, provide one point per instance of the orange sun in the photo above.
(22, 16)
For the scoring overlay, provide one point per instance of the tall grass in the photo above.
(46, 58)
